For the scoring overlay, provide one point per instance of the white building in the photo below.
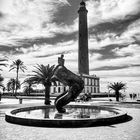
(92, 85)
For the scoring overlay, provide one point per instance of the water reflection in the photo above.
(58, 116)
(72, 113)
(46, 112)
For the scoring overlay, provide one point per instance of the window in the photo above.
(64, 89)
(87, 89)
(59, 89)
(85, 81)
(92, 81)
(98, 82)
(54, 89)
(91, 90)
(89, 81)
(98, 90)
(94, 89)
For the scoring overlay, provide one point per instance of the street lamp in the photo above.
(108, 89)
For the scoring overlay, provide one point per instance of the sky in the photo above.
(39, 31)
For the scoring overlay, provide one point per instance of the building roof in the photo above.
(89, 76)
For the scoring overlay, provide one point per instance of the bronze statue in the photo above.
(68, 78)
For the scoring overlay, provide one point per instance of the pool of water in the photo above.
(72, 113)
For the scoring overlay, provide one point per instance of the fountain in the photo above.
(62, 115)
(76, 116)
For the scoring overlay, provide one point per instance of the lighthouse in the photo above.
(83, 60)
(91, 82)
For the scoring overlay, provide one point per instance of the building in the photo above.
(92, 82)
(92, 85)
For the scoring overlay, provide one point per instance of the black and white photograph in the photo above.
(69, 69)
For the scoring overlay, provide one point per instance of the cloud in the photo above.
(126, 57)
(133, 49)
(111, 10)
(113, 22)
(28, 19)
(110, 68)
(38, 31)
(59, 48)
(133, 30)
(1, 15)
(117, 26)
(123, 67)
(35, 44)
(108, 52)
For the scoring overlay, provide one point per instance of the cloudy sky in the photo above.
(38, 31)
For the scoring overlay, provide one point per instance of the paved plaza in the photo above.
(124, 131)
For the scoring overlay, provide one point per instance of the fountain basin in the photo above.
(76, 116)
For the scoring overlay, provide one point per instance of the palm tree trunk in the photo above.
(13, 91)
(47, 95)
(16, 81)
(30, 88)
(117, 96)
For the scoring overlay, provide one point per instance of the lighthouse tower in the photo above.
(83, 60)
(91, 82)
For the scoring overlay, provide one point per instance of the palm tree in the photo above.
(117, 86)
(28, 86)
(3, 64)
(12, 85)
(1, 80)
(43, 76)
(18, 65)
(1, 84)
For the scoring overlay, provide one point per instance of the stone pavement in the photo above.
(124, 131)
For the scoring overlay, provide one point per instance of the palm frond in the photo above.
(1, 78)
(13, 83)
(117, 86)
(12, 68)
(3, 64)
(23, 69)
(42, 74)
(40, 68)
(39, 74)
(18, 64)
(34, 80)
